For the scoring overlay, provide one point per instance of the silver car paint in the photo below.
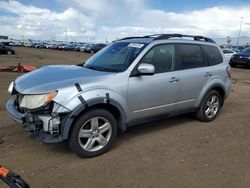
(138, 97)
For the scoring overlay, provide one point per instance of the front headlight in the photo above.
(36, 101)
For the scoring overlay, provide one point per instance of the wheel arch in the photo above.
(112, 106)
(221, 92)
(217, 87)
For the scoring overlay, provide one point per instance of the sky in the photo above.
(107, 20)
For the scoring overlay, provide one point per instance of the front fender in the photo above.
(87, 99)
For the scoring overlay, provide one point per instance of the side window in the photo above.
(190, 56)
(213, 54)
(227, 52)
(162, 57)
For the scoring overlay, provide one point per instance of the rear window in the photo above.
(213, 55)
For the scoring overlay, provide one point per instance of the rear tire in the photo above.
(8, 52)
(210, 107)
(93, 133)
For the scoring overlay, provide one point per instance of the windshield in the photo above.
(247, 50)
(116, 57)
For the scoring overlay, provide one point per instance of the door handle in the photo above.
(174, 79)
(208, 74)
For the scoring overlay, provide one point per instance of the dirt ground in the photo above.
(176, 152)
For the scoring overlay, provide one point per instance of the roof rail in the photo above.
(167, 36)
(126, 38)
(195, 37)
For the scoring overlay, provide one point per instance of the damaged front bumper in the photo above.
(44, 127)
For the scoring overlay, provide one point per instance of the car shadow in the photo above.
(153, 126)
(242, 67)
(133, 131)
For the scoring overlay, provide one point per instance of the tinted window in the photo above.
(213, 55)
(190, 56)
(162, 57)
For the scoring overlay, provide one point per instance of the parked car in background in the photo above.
(70, 47)
(54, 46)
(40, 45)
(241, 58)
(79, 47)
(6, 50)
(228, 53)
(83, 47)
(47, 45)
(61, 46)
(238, 48)
(93, 48)
(4, 40)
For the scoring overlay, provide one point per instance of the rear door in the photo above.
(192, 64)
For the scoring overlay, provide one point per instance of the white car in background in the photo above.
(228, 53)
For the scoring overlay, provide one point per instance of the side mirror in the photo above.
(146, 69)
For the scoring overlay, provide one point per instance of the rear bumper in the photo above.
(34, 129)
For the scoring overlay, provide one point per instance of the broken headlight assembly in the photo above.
(36, 101)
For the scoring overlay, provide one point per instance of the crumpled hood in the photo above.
(53, 77)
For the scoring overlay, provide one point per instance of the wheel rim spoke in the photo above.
(94, 124)
(216, 104)
(212, 112)
(102, 140)
(208, 110)
(89, 144)
(85, 133)
(209, 103)
(105, 127)
(213, 99)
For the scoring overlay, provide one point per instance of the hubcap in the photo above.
(212, 106)
(95, 134)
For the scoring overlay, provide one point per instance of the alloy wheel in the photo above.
(94, 134)
(212, 106)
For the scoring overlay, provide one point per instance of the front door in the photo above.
(152, 95)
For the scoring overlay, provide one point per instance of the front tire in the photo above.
(93, 133)
(210, 107)
(9, 53)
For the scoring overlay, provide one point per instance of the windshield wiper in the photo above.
(80, 65)
(91, 67)
(105, 69)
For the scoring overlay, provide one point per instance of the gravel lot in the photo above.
(176, 152)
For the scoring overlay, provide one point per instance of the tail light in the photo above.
(229, 72)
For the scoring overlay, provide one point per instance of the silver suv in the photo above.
(130, 81)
